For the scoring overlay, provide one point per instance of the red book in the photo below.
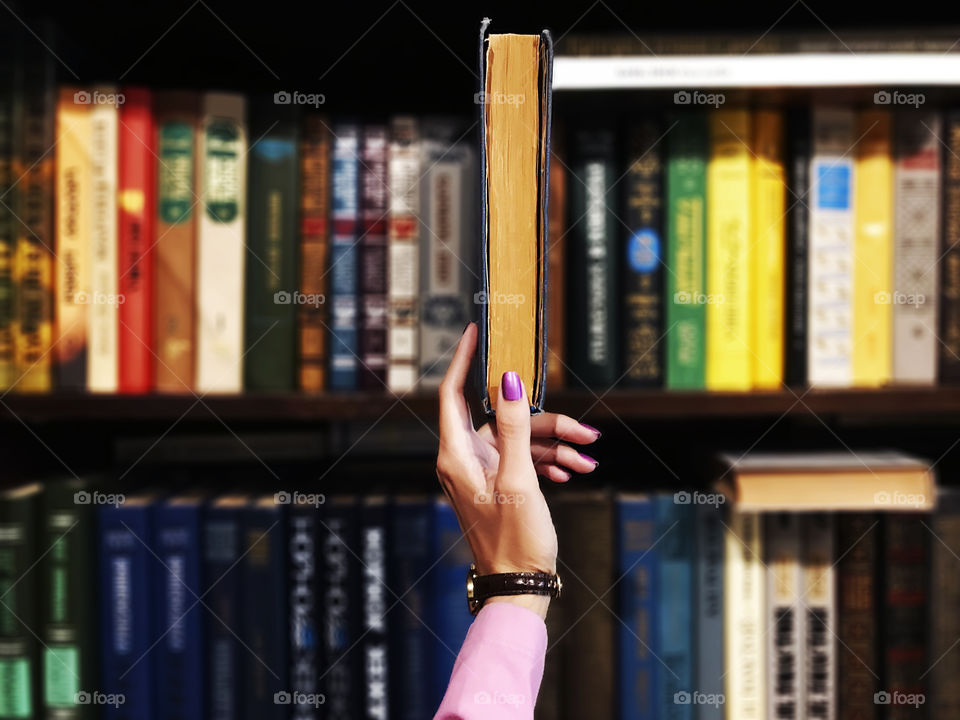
(136, 217)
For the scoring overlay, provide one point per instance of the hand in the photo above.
(490, 475)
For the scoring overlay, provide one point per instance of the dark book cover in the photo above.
(344, 317)
(272, 292)
(373, 258)
(949, 345)
(304, 603)
(10, 86)
(798, 220)
(376, 599)
(708, 603)
(944, 602)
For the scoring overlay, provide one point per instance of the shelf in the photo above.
(887, 405)
(882, 70)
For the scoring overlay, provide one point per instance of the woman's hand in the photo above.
(490, 475)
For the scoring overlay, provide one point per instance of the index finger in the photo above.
(453, 405)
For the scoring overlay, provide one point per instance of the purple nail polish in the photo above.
(511, 386)
(591, 429)
(589, 459)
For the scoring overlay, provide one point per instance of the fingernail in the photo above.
(589, 459)
(591, 428)
(511, 386)
(465, 328)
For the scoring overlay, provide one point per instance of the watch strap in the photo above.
(482, 587)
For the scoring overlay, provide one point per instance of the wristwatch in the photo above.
(481, 587)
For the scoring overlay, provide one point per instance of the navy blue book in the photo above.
(410, 640)
(377, 598)
(447, 614)
(264, 611)
(304, 597)
(340, 549)
(127, 597)
(708, 611)
(179, 620)
(223, 589)
(638, 557)
(344, 315)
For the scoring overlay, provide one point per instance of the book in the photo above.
(709, 613)
(272, 297)
(376, 600)
(944, 599)
(642, 259)
(514, 104)
(19, 649)
(557, 263)
(304, 607)
(72, 243)
(798, 221)
(372, 270)
(819, 623)
(915, 246)
(403, 236)
(948, 367)
(103, 348)
(730, 233)
(175, 251)
(10, 100)
(220, 243)
(344, 334)
(785, 613)
(768, 250)
(830, 248)
(136, 202)
(685, 316)
(873, 250)
(448, 243)
(313, 316)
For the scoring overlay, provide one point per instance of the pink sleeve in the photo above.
(499, 668)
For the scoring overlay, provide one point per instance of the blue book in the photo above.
(344, 316)
(377, 597)
(223, 534)
(127, 598)
(448, 615)
(304, 593)
(708, 611)
(638, 558)
(180, 615)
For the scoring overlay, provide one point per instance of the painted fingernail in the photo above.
(589, 459)
(592, 429)
(511, 386)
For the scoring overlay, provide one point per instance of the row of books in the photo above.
(738, 249)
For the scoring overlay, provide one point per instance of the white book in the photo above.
(819, 624)
(784, 615)
(103, 309)
(916, 254)
(221, 243)
(830, 252)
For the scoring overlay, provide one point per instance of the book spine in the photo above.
(642, 260)
(179, 622)
(873, 250)
(304, 582)
(798, 222)
(686, 253)
(312, 318)
(830, 249)
(404, 255)
(272, 296)
(33, 259)
(744, 618)
(344, 346)
(729, 240)
(373, 258)
(449, 243)
(767, 251)
(638, 648)
(220, 244)
(709, 638)
(178, 207)
(19, 666)
(592, 341)
(949, 360)
(126, 618)
(135, 231)
(819, 626)
(784, 636)
(10, 117)
(944, 601)
(73, 199)
(556, 263)
(858, 657)
(103, 361)
(376, 662)
(916, 248)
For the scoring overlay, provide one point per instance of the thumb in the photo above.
(513, 430)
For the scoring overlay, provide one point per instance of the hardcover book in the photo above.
(819, 617)
(783, 633)
(557, 264)
(344, 329)
(798, 222)
(372, 270)
(377, 599)
(10, 102)
(948, 369)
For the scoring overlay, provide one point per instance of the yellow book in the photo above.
(729, 179)
(873, 251)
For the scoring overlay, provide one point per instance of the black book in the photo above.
(798, 218)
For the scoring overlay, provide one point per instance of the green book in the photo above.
(686, 300)
(19, 676)
(67, 533)
(272, 294)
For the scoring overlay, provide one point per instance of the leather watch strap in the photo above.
(481, 587)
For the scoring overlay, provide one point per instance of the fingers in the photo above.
(454, 414)
(553, 453)
(553, 473)
(513, 429)
(562, 427)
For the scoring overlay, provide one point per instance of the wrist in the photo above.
(535, 603)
